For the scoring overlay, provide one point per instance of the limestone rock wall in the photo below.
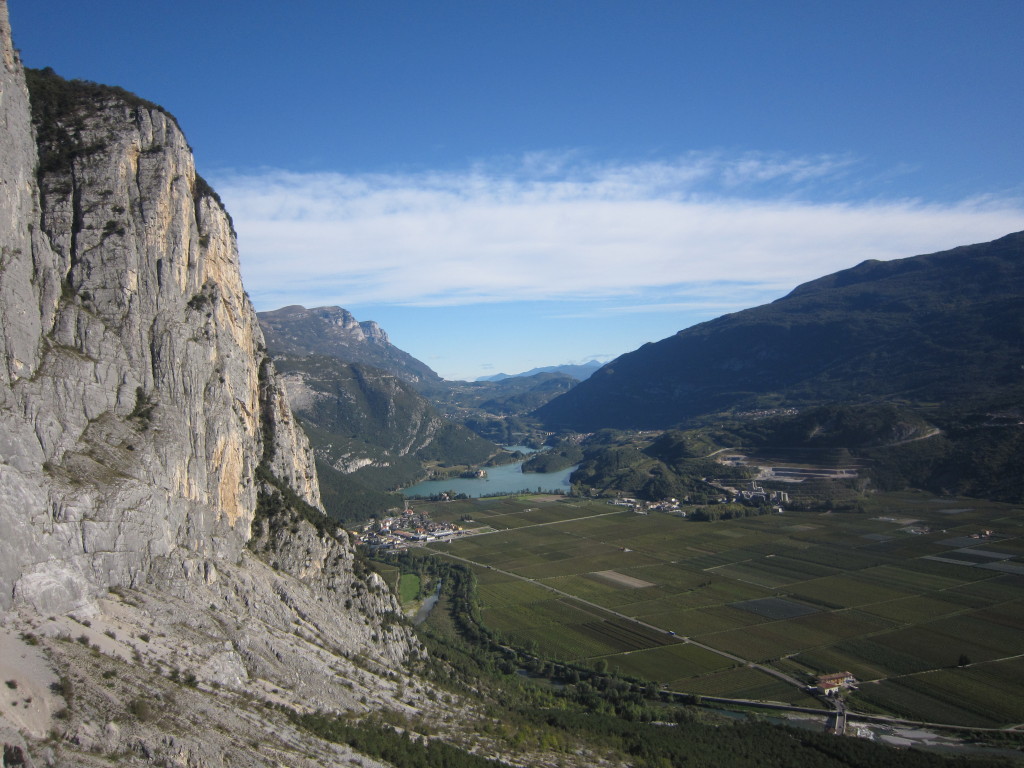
(136, 399)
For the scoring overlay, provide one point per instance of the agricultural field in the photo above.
(922, 599)
(408, 588)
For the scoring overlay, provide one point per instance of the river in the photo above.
(427, 606)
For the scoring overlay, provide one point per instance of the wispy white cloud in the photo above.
(551, 226)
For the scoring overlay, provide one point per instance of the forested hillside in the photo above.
(945, 328)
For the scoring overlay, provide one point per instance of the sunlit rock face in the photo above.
(136, 399)
(157, 497)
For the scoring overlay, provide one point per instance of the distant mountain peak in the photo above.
(335, 332)
(577, 371)
(336, 319)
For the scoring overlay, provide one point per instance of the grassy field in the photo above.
(898, 595)
(409, 588)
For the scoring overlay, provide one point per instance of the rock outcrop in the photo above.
(137, 399)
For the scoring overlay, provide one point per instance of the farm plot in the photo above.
(609, 526)
(744, 683)
(669, 664)
(702, 621)
(800, 568)
(1000, 589)
(595, 591)
(490, 576)
(593, 638)
(913, 610)
(511, 592)
(772, 640)
(876, 653)
(1004, 567)
(621, 580)
(911, 580)
(933, 566)
(839, 625)
(723, 591)
(515, 617)
(845, 592)
(912, 697)
(628, 635)
(805, 586)
(607, 560)
(752, 573)
(991, 691)
(1013, 546)
(707, 561)
(821, 660)
(1006, 614)
(553, 514)
(772, 571)
(671, 576)
(562, 642)
(713, 593)
(941, 643)
(776, 608)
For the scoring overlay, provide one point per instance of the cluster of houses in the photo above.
(669, 506)
(834, 682)
(759, 496)
(755, 496)
(405, 529)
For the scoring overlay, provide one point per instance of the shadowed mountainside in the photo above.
(946, 327)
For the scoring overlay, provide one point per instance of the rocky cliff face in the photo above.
(153, 482)
(137, 401)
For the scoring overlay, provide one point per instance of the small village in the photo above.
(755, 496)
(668, 506)
(406, 528)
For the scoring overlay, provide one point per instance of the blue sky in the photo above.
(505, 185)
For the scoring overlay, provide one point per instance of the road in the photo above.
(478, 532)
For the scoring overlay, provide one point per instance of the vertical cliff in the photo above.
(158, 500)
(137, 400)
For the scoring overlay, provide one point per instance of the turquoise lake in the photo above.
(508, 478)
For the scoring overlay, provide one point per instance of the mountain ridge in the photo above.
(579, 371)
(371, 431)
(366, 406)
(334, 332)
(944, 326)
